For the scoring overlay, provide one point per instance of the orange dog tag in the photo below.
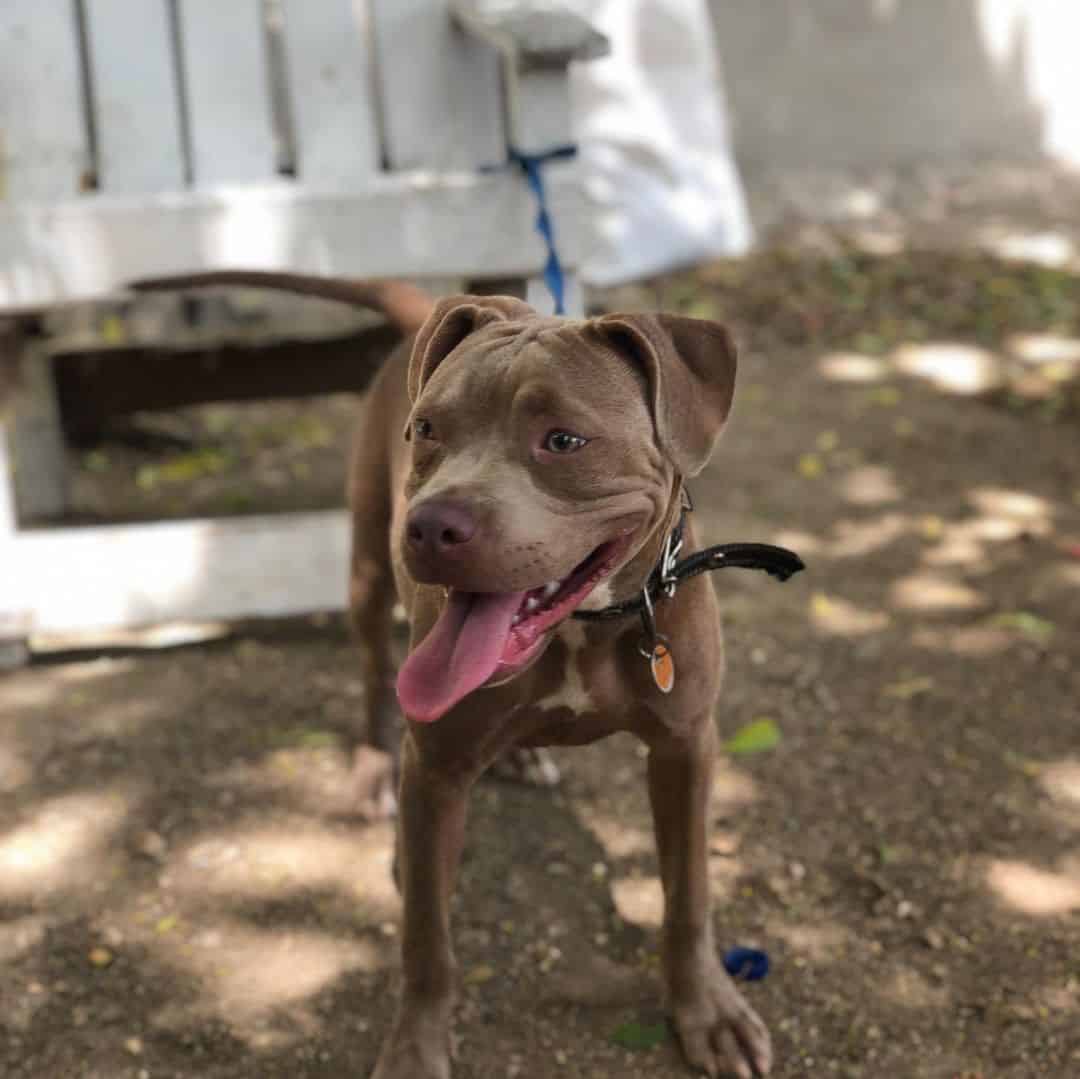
(663, 667)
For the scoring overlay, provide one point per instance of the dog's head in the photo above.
(545, 452)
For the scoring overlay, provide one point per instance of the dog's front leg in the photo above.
(720, 1033)
(431, 823)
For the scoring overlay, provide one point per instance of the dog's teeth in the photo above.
(550, 589)
(514, 621)
(532, 603)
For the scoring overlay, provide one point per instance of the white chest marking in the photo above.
(571, 694)
(597, 599)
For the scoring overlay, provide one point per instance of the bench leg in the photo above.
(536, 293)
(496, 286)
(13, 645)
(36, 441)
(14, 653)
(533, 290)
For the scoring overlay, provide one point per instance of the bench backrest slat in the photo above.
(227, 82)
(330, 83)
(136, 96)
(356, 85)
(44, 151)
(439, 90)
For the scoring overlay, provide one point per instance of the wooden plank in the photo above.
(44, 149)
(538, 106)
(537, 295)
(466, 225)
(123, 576)
(537, 40)
(136, 96)
(227, 86)
(36, 442)
(439, 89)
(7, 489)
(97, 386)
(14, 621)
(331, 87)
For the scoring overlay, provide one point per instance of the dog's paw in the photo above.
(372, 786)
(721, 1035)
(533, 767)
(415, 1049)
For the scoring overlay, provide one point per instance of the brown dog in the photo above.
(509, 470)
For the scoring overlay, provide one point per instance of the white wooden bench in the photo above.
(149, 137)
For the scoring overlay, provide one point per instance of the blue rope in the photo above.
(746, 963)
(532, 166)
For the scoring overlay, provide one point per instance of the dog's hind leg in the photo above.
(371, 600)
(371, 604)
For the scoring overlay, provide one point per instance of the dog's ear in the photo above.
(689, 364)
(450, 322)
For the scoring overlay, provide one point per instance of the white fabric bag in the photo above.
(655, 148)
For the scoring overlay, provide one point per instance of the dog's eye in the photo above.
(421, 428)
(563, 442)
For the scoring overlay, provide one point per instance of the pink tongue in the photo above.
(459, 654)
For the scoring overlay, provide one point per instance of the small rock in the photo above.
(100, 957)
(933, 938)
(152, 845)
(479, 974)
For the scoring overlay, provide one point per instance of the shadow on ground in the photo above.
(181, 894)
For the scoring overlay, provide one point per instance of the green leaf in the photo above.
(886, 854)
(304, 738)
(97, 461)
(318, 739)
(1030, 625)
(635, 1035)
(756, 737)
(907, 688)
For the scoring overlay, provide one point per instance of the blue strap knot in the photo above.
(532, 166)
(747, 964)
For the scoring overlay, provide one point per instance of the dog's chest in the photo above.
(570, 691)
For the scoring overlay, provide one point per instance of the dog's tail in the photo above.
(405, 305)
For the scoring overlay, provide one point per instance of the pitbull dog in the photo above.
(509, 470)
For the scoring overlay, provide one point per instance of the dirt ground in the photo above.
(182, 895)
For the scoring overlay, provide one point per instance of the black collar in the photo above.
(666, 575)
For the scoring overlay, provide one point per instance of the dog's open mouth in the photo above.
(483, 637)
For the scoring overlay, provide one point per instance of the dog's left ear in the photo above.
(452, 320)
(690, 367)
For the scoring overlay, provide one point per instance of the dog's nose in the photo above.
(438, 528)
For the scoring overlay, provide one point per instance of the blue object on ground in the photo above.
(747, 964)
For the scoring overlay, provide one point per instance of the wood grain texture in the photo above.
(464, 226)
(44, 149)
(331, 86)
(439, 89)
(36, 441)
(228, 91)
(136, 575)
(136, 96)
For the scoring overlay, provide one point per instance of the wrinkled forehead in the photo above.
(540, 365)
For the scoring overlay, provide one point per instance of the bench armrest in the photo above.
(535, 33)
